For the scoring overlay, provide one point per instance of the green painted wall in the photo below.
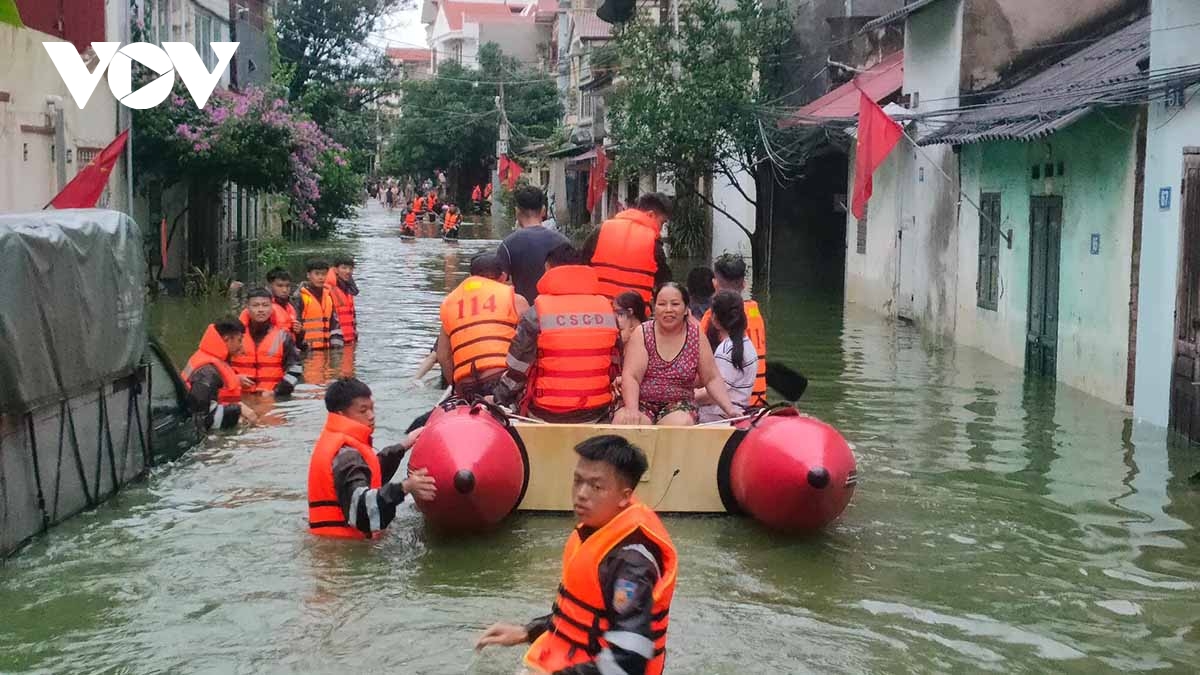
(1097, 186)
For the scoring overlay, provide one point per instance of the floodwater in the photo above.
(1000, 524)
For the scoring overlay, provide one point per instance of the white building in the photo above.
(1165, 389)
(38, 154)
(522, 30)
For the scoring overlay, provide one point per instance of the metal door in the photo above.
(1185, 371)
(1045, 237)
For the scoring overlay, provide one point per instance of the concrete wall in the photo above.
(928, 271)
(727, 236)
(999, 30)
(528, 42)
(28, 174)
(1098, 198)
(1169, 131)
(872, 276)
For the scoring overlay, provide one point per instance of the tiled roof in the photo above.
(1058, 96)
(879, 82)
(481, 12)
(407, 55)
(588, 26)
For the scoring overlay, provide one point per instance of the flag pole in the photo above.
(1006, 236)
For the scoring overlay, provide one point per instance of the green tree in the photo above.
(697, 101)
(451, 120)
(333, 72)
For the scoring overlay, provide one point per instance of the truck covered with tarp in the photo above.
(78, 406)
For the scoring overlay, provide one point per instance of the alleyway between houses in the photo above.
(1001, 524)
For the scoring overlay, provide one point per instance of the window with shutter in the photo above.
(988, 284)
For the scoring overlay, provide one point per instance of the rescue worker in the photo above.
(567, 349)
(431, 203)
(340, 282)
(487, 192)
(418, 205)
(283, 313)
(627, 250)
(451, 222)
(280, 283)
(410, 224)
(523, 252)
(214, 389)
(613, 607)
(477, 197)
(353, 491)
(269, 357)
(729, 274)
(319, 327)
(479, 320)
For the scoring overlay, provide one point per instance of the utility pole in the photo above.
(501, 150)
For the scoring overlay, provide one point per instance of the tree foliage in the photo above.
(696, 101)
(451, 120)
(333, 72)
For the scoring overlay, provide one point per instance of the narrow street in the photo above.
(1002, 524)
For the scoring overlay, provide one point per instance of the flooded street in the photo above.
(999, 525)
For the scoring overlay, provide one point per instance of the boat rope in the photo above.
(37, 472)
(667, 489)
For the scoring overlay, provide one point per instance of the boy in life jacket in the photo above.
(340, 282)
(729, 274)
(353, 491)
(319, 326)
(627, 249)
(567, 348)
(612, 610)
(269, 356)
(214, 388)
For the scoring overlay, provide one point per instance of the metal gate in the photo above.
(1045, 239)
(1185, 371)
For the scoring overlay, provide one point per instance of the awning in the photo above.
(1106, 73)
(903, 13)
(879, 82)
(585, 157)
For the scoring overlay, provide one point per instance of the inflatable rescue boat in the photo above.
(790, 472)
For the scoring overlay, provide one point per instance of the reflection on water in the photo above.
(1001, 524)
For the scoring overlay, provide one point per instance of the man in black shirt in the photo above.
(522, 254)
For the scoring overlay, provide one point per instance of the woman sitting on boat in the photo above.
(661, 390)
(734, 353)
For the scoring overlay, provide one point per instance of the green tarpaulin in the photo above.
(9, 13)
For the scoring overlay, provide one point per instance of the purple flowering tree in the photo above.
(254, 140)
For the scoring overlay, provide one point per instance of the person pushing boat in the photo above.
(353, 491)
(612, 612)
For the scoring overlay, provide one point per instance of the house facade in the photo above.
(1009, 225)
(45, 138)
(1165, 391)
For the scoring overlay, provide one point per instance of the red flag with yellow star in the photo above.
(85, 189)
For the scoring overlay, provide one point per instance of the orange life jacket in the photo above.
(580, 618)
(451, 222)
(431, 200)
(480, 318)
(325, 515)
(575, 344)
(487, 191)
(315, 319)
(343, 302)
(756, 330)
(624, 257)
(419, 205)
(410, 219)
(262, 362)
(476, 194)
(213, 352)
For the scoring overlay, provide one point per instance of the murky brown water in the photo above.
(1000, 525)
